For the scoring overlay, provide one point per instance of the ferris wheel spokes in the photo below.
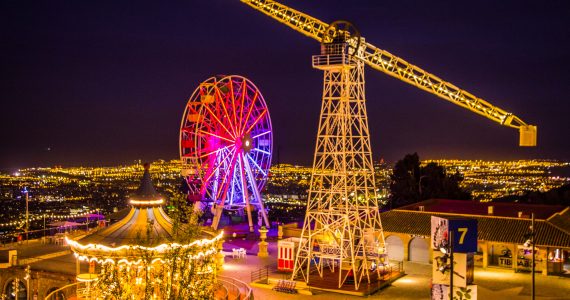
(253, 102)
(244, 189)
(220, 122)
(216, 166)
(226, 137)
(225, 185)
(256, 192)
(256, 165)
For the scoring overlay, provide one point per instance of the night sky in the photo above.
(106, 82)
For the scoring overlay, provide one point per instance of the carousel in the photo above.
(147, 254)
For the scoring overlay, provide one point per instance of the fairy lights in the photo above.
(83, 252)
(47, 217)
(147, 202)
(138, 262)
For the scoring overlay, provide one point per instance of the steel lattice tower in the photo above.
(342, 225)
(342, 228)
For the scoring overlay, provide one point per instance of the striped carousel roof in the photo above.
(145, 230)
(146, 223)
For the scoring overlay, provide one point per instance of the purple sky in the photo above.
(105, 82)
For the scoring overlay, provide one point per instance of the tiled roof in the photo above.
(561, 220)
(503, 209)
(496, 229)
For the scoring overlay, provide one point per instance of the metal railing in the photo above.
(240, 289)
(260, 275)
(69, 290)
(233, 289)
(386, 271)
(221, 289)
(46, 236)
(324, 60)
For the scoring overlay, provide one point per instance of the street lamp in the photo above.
(530, 243)
(27, 278)
(451, 264)
(25, 191)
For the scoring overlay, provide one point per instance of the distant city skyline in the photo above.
(101, 84)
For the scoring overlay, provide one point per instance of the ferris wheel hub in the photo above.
(246, 143)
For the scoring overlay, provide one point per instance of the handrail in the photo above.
(233, 287)
(237, 285)
(246, 291)
(61, 289)
(260, 274)
(226, 290)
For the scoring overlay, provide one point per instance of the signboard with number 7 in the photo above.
(464, 235)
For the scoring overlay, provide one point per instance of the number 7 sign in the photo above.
(464, 235)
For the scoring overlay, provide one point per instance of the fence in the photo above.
(237, 289)
(65, 292)
(387, 271)
(320, 60)
(260, 275)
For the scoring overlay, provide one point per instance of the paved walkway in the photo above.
(492, 283)
(33, 248)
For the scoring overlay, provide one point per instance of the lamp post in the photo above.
(533, 255)
(27, 278)
(530, 242)
(25, 191)
(451, 264)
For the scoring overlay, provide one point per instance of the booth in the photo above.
(286, 251)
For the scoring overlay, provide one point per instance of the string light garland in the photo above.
(103, 250)
(147, 202)
(124, 261)
(47, 216)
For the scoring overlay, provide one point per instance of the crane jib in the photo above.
(394, 66)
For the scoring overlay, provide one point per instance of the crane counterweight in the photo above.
(527, 135)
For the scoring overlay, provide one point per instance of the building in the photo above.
(501, 233)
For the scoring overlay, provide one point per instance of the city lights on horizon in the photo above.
(286, 188)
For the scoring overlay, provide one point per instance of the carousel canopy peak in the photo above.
(146, 194)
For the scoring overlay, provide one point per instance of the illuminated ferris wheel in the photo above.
(225, 146)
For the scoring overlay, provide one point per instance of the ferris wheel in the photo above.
(225, 146)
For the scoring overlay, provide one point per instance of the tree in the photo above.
(404, 187)
(412, 182)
